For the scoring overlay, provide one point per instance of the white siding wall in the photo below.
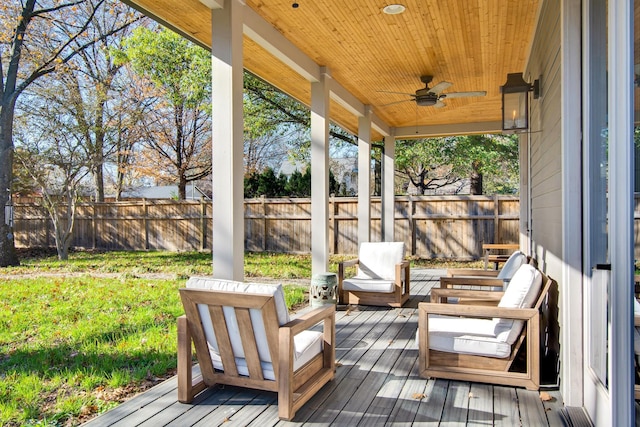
(546, 155)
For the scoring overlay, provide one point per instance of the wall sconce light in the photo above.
(515, 103)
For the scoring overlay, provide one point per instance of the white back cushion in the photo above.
(377, 260)
(524, 288)
(230, 316)
(522, 292)
(512, 265)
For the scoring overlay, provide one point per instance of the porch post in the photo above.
(228, 170)
(621, 121)
(364, 176)
(388, 189)
(320, 173)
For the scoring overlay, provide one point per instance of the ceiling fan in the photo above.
(427, 97)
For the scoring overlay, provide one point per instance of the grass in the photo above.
(78, 337)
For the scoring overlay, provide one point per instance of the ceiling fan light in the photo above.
(394, 9)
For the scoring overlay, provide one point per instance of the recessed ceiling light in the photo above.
(394, 9)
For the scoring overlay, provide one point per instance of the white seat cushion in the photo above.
(368, 285)
(307, 344)
(467, 336)
(230, 316)
(377, 260)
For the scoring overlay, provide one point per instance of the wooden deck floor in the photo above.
(376, 384)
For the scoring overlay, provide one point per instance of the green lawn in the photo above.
(78, 337)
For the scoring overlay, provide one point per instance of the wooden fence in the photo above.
(431, 226)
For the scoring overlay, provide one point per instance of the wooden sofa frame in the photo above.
(466, 367)
(397, 298)
(293, 388)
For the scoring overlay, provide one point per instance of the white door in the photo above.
(608, 210)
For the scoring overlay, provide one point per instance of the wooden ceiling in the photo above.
(473, 44)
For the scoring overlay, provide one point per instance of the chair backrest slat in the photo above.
(221, 332)
(248, 338)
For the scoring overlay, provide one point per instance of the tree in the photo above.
(426, 163)
(494, 157)
(178, 127)
(34, 41)
(433, 163)
(56, 161)
(96, 73)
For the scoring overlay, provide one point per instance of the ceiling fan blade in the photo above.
(440, 87)
(398, 93)
(397, 102)
(439, 104)
(463, 94)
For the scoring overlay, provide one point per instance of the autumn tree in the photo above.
(36, 37)
(177, 129)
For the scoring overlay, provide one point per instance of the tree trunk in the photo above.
(8, 255)
(475, 180)
(182, 187)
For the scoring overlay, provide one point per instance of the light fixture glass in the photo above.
(394, 9)
(515, 104)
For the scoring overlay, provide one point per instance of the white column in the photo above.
(228, 173)
(388, 189)
(571, 280)
(364, 176)
(320, 174)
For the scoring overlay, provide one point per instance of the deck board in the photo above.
(376, 384)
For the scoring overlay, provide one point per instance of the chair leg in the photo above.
(186, 389)
(285, 375)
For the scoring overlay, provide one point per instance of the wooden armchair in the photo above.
(480, 343)
(382, 277)
(243, 336)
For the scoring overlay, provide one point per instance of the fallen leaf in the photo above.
(348, 312)
(471, 396)
(419, 396)
(545, 397)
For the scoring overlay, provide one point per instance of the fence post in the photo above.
(412, 226)
(93, 225)
(264, 223)
(203, 224)
(496, 219)
(145, 213)
(333, 223)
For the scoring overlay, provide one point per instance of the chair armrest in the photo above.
(344, 264)
(477, 311)
(310, 319)
(441, 295)
(447, 282)
(349, 263)
(471, 272)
